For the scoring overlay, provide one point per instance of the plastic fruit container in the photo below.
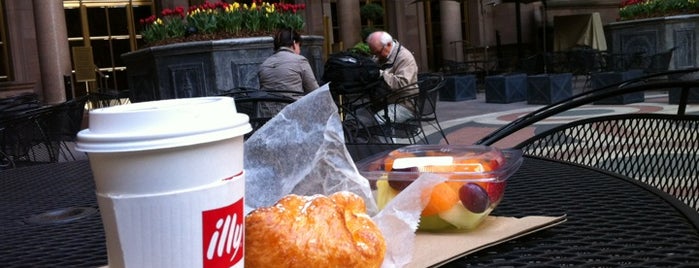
(476, 181)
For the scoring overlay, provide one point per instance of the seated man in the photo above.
(399, 72)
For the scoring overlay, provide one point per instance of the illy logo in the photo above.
(223, 235)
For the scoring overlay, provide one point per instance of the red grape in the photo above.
(474, 197)
(400, 178)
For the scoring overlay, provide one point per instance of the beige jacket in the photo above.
(402, 75)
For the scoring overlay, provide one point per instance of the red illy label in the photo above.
(224, 231)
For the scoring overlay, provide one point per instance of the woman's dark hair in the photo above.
(286, 38)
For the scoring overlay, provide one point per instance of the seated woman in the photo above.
(286, 70)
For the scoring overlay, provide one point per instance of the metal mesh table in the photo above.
(612, 222)
(49, 218)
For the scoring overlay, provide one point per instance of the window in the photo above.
(109, 28)
(5, 70)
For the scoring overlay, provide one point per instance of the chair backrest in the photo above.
(585, 97)
(260, 105)
(583, 60)
(533, 64)
(660, 149)
(23, 138)
(66, 119)
(102, 98)
(360, 151)
(19, 103)
(429, 85)
(659, 62)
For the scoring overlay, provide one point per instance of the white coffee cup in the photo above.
(161, 170)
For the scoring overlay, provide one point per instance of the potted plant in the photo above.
(372, 13)
(211, 48)
(640, 9)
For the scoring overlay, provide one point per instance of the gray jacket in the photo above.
(285, 70)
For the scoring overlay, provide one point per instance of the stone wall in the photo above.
(656, 35)
(205, 68)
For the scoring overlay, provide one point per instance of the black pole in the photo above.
(519, 29)
(546, 54)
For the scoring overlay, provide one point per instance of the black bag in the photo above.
(349, 72)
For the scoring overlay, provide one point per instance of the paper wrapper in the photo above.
(302, 151)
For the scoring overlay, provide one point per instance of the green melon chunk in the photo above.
(462, 218)
(433, 223)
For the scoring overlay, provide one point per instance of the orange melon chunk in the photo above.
(442, 198)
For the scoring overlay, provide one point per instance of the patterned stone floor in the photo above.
(466, 123)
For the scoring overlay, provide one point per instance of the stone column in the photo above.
(52, 43)
(452, 39)
(350, 22)
(477, 23)
(405, 20)
(313, 16)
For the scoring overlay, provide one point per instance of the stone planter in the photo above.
(692, 96)
(458, 87)
(656, 35)
(506, 88)
(205, 68)
(599, 80)
(549, 88)
(675, 93)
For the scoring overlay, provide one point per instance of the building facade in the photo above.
(64, 48)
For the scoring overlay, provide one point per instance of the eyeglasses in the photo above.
(375, 52)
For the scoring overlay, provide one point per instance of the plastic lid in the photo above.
(162, 124)
(468, 162)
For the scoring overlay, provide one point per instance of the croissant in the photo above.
(313, 231)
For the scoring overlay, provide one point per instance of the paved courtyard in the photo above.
(466, 122)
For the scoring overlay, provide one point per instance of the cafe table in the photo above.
(49, 218)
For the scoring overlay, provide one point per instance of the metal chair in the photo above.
(19, 103)
(659, 62)
(426, 109)
(360, 151)
(63, 124)
(23, 139)
(531, 65)
(259, 105)
(390, 130)
(102, 98)
(583, 61)
(660, 149)
(354, 103)
(356, 108)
